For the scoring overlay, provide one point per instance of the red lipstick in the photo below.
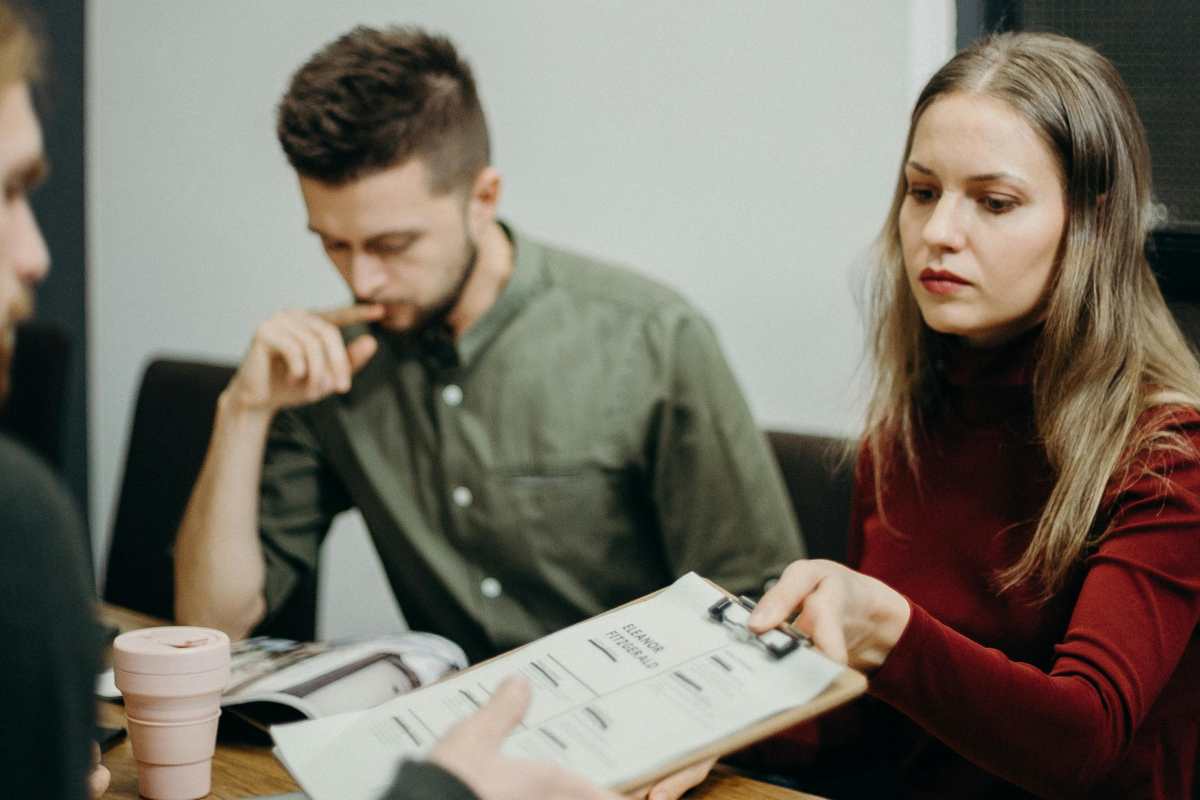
(940, 281)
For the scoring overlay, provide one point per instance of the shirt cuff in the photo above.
(423, 780)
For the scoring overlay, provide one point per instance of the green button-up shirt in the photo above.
(589, 446)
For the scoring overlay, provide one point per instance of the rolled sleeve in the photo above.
(298, 498)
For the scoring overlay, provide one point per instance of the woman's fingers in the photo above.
(780, 603)
(814, 590)
(823, 617)
(852, 618)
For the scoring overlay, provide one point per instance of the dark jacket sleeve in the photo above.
(50, 640)
(421, 780)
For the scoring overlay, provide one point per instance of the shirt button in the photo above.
(462, 496)
(452, 395)
(491, 588)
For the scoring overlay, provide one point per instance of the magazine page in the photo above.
(614, 698)
(323, 678)
(319, 679)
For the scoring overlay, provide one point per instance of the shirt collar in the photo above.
(527, 277)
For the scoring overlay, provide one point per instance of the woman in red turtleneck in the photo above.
(1026, 522)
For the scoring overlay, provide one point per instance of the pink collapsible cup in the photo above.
(172, 679)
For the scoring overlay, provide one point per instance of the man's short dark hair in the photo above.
(375, 98)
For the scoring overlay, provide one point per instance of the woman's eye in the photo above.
(998, 205)
(922, 194)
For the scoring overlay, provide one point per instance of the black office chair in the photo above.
(35, 411)
(172, 426)
(818, 478)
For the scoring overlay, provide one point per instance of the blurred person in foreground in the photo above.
(50, 654)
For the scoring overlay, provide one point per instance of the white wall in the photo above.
(743, 152)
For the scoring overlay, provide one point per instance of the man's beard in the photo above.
(436, 315)
(6, 354)
(20, 307)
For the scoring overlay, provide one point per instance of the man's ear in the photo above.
(484, 198)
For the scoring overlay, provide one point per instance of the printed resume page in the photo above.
(614, 698)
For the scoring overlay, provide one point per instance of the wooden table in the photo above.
(242, 771)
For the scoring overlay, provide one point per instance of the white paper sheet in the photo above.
(614, 698)
(296, 744)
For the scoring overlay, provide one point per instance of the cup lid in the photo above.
(171, 650)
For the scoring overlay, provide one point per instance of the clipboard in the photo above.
(848, 685)
(352, 759)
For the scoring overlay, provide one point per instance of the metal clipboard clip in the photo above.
(734, 612)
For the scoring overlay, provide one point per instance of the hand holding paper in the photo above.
(471, 750)
(624, 700)
(852, 618)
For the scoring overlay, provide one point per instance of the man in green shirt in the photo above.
(53, 643)
(532, 436)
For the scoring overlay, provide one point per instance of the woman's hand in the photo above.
(851, 617)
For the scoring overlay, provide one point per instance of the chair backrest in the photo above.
(818, 479)
(1187, 316)
(172, 426)
(35, 413)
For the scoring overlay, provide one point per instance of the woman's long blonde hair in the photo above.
(1110, 350)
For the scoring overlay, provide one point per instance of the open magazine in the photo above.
(278, 680)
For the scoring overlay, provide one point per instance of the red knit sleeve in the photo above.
(862, 502)
(1058, 733)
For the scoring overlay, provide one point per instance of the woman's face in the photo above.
(982, 220)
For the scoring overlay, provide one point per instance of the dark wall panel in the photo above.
(1154, 44)
(60, 208)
